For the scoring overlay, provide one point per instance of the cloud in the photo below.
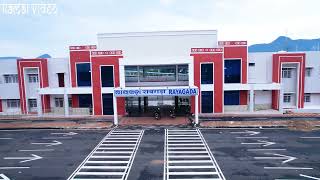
(78, 23)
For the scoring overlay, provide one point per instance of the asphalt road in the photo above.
(239, 154)
(57, 161)
(242, 154)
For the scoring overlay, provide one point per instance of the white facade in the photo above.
(169, 48)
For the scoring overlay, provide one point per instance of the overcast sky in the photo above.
(78, 21)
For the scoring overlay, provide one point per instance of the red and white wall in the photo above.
(162, 48)
(41, 67)
(279, 61)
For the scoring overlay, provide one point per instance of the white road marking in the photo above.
(249, 133)
(288, 168)
(53, 143)
(65, 134)
(278, 156)
(260, 142)
(310, 177)
(249, 137)
(19, 167)
(35, 150)
(25, 159)
(57, 137)
(5, 138)
(310, 137)
(110, 159)
(186, 158)
(266, 149)
(4, 177)
(229, 128)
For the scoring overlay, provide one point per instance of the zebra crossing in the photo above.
(187, 156)
(112, 158)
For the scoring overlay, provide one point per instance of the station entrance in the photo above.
(146, 106)
(150, 101)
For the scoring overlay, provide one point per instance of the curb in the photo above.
(40, 128)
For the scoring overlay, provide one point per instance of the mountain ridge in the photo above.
(284, 43)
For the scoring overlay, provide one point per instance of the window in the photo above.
(232, 71)
(58, 102)
(61, 79)
(287, 98)
(307, 97)
(11, 78)
(33, 78)
(157, 73)
(308, 72)
(13, 103)
(107, 76)
(85, 100)
(32, 103)
(131, 73)
(83, 74)
(232, 98)
(70, 102)
(183, 73)
(286, 72)
(207, 101)
(252, 64)
(207, 73)
(162, 73)
(107, 100)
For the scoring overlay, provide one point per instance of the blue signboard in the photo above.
(156, 92)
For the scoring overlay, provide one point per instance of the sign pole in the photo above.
(115, 110)
(196, 116)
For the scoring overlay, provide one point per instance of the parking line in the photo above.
(266, 149)
(288, 168)
(250, 137)
(311, 177)
(310, 137)
(186, 160)
(109, 159)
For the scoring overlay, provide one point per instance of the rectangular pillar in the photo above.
(281, 100)
(115, 111)
(196, 111)
(66, 104)
(39, 105)
(251, 105)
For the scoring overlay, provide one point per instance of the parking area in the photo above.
(160, 153)
(44, 154)
(265, 153)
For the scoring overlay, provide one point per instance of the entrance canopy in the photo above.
(156, 91)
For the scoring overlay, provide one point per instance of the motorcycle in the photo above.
(172, 112)
(157, 114)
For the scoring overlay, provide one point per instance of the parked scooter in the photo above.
(188, 111)
(173, 112)
(157, 113)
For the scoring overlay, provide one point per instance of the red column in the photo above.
(278, 59)
(75, 100)
(1, 105)
(214, 55)
(43, 80)
(101, 58)
(243, 97)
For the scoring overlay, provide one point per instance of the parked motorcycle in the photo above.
(188, 111)
(173, 112)
(157, 113)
